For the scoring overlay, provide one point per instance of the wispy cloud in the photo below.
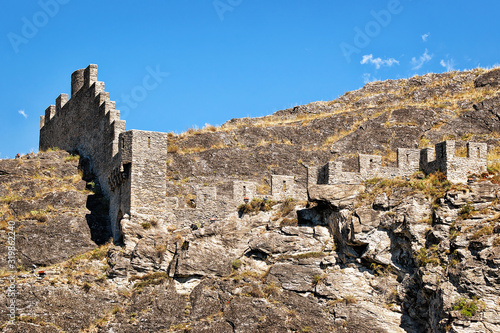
(22, 113)
(367, 78)
(418, 63)
(448, 64)
(425, 36)
(369, 59)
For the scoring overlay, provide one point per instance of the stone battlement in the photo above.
(132, 165)
(87, 123)
(441, 158)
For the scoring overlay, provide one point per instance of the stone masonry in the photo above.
(441, 158)
(131, 165)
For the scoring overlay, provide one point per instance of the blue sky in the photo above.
(222, 59)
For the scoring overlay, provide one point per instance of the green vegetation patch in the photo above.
(428, 256)
(467, 307)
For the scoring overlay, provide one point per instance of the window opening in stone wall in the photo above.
(244, 191)
(478, 152)
(126, 169)
(284, 186)
(123, 142)
(149, 142)
(407, 158)
(372, 164)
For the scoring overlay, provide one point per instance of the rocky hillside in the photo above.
(416, 255)
(376, 119)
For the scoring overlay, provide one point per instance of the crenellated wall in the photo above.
(130, 165)
(441, 158)
(86, 123)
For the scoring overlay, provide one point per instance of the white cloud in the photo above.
(418, 63)
(367, 78)
(368, 59)
(449, 64)
(22, 113)
(425, 36)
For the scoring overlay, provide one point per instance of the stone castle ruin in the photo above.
(131, 166)
(441, 158)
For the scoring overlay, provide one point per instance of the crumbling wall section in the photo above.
(457, 169)
(441, 158)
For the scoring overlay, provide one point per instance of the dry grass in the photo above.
(171, 148)
(343, 133)
(219, 145)
(424, 143)
(192, 150)
(255, 206)
(484, 231)
(9, 198)
(433, 186)
(390, 156)
(263, 189)
(445, 100)
(494, 153)
(40, 216)
(71, 158)
(461, 152)
(210, 128)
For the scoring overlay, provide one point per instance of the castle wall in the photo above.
(455, 168)
(206, 196)
(130, 166)
(441, 158)
(87, 123)
(459, 168)
(243, 189)
(142, 165)
(148, 171)
(209, 207)
(282, 187)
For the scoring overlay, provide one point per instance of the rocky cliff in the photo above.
(404, 255)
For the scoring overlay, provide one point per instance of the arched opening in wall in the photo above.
(284, 186)
(478, 152)
(119, 224)
(149, 142)
(407, 159)
(244, 191)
